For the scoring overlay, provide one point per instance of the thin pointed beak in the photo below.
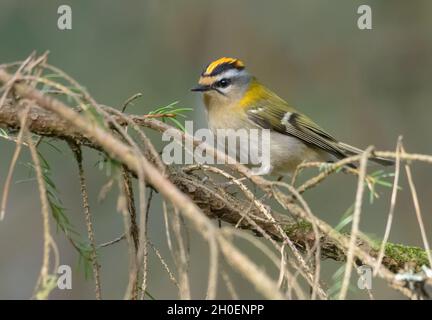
(201, 88)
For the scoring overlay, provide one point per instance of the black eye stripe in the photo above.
(223, 83)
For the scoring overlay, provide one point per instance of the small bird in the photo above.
(235, 99)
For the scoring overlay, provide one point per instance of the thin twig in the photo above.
(122, 207)
(142, 255)
(355, 222)
(213, 270)
(130, 100)
(90, 231)
(418, 211)
(164, 264)
(7, 87)
(392, 207)
(130, 198)
(9, 84)
(249, 270)
(316, 289)
(111, 242)
(182, 260)
(11, 169)
(48, 241)
(293, 283)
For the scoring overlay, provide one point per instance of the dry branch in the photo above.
(52, 118)
(214, 202)
(137, 163)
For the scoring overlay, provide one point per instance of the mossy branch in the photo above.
(216, 203)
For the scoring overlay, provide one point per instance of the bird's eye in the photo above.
(223, 83)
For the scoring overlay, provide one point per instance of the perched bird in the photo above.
(235, 99)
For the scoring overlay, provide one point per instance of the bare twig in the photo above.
(164, 264)
(130, 100)
(418, 211)
(213, 270)
(122, 206)
(392, 207)
(11, 169)
(249, 270)
(143, 241)
(90, 231)
(182, 259)
(41, 290)
(111, 242)
(355, 222)
(130, 198)
(8, 85)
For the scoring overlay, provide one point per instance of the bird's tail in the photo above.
(350, 150)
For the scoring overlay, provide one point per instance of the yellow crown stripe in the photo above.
(237, 63)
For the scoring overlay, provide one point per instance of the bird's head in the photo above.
(224, 80)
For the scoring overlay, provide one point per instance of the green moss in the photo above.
(301, 226)
(396, 255)
(405, 254)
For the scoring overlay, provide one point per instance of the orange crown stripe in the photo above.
(236, 62)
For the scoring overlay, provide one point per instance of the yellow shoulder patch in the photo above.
(236, 62)
(256, 92)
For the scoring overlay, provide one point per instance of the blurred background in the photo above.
(366, 87)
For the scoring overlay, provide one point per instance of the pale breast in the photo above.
(288, 152)
(251, 148)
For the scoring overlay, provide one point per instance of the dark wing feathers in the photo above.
(272, 112)
(296, 125)
(303, 121)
